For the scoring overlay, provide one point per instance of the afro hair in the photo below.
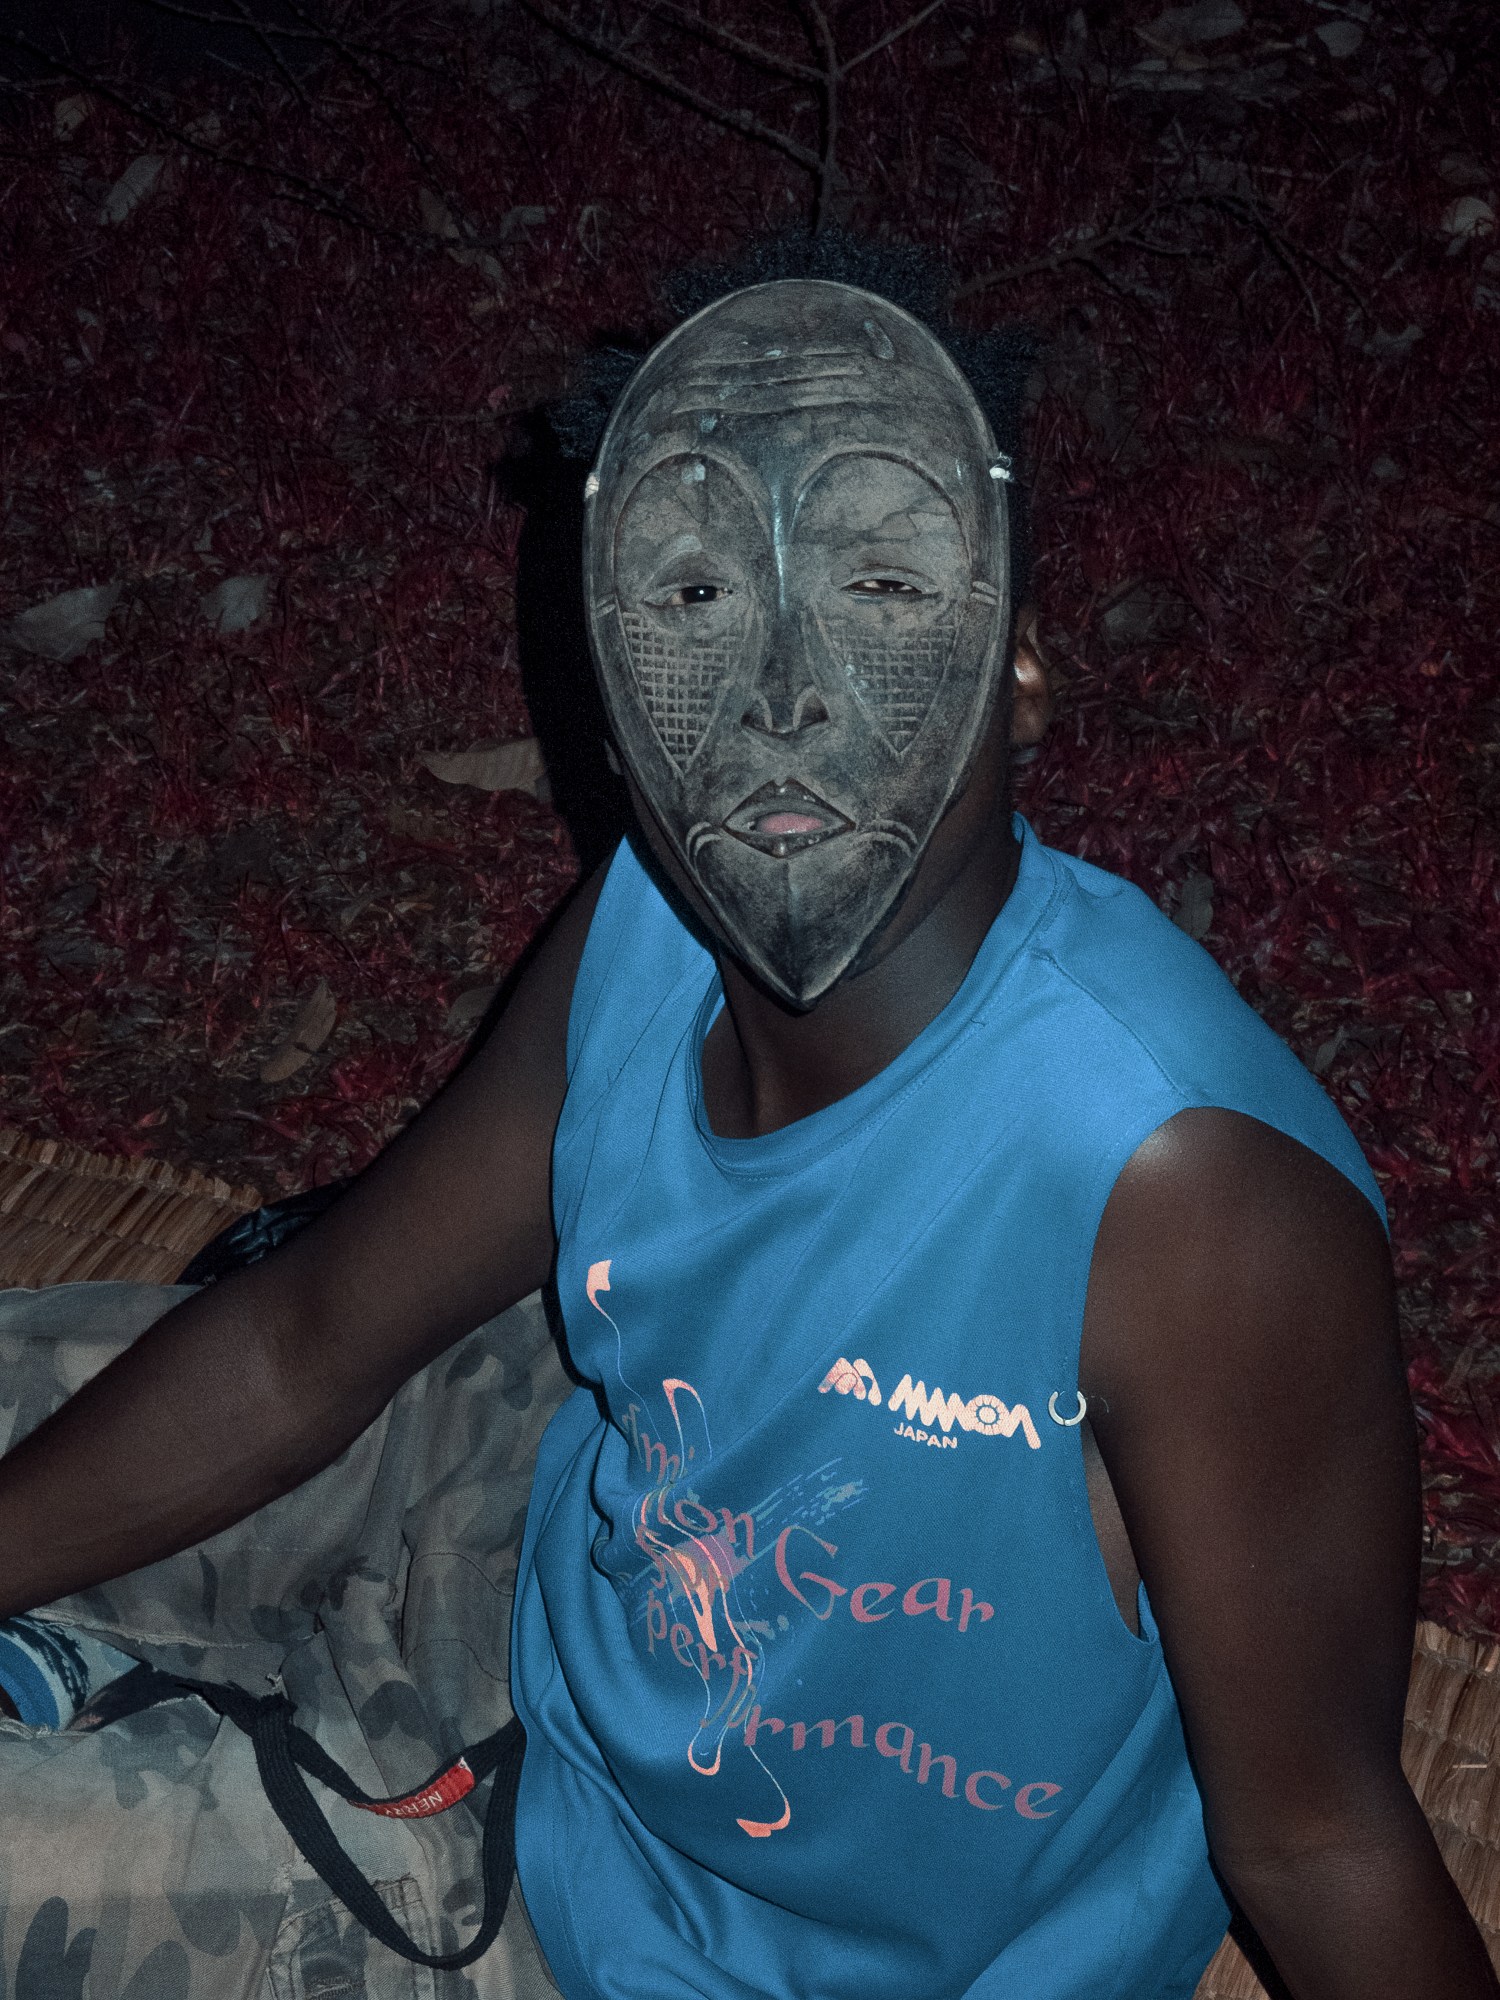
(996, 365)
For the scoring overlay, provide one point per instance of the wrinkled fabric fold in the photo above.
(378, 1595)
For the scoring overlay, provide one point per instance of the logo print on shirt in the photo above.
(936, 1412)
(700, 1567)
(695, 1556)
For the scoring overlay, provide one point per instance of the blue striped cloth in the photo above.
(50, 1671)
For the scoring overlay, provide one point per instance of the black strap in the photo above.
(250, 1237)
(283, 1752)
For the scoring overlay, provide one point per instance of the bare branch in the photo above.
(1282, 248)
(286, 185)
(735, 45)
(420, 150)
(893, 35)
(822, 34)
(644, 72)
(1084, 250)
(828, 87)
(320, 37)
(352, 52)
(825, 39)
(288, 77)
(1079, 252)
(1245, 212)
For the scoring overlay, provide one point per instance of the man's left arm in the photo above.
(1243, 1371)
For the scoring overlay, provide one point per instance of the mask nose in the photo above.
(785, 702)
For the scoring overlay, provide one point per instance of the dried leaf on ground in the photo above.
(1340, 38)
(1385, 346)
(419, 826)
(1195, 906)
(469, 1009)
(133, 186)
(1462, 170)
(492, 767)
(437, 219)
(1143, 614)
(71, 112)
(1470, 216)
(1185, 27)
(66, 625)
(236, 603)
(1328, 1049)
(515, 221)
(308, 1033)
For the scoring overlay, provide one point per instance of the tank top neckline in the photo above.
(811, 1138)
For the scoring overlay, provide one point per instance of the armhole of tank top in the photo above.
(1081, 1517)
(1147, 1640)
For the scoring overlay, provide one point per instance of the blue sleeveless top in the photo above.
(825, 1690)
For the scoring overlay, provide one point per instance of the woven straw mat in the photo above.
(66, 1214)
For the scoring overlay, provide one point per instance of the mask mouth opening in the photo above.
(784, 819)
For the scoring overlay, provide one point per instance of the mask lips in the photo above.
(784, 819)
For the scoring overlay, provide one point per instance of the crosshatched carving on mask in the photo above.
(899, 683)
(796, 560)
(679, 681)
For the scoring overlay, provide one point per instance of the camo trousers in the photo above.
(141, 1861)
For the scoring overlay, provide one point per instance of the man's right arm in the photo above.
(257, 1382)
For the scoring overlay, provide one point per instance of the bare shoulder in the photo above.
(1242, 1364)
(1226, 1240)
(1227, 1156)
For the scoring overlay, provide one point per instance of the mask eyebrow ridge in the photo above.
(683, 545)
(889, 458)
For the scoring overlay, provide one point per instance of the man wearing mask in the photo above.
(989, 1522)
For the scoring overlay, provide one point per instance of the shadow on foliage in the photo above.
(557, 675)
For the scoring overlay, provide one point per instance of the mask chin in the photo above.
(812, 920)
(801, 923)
(772, 916)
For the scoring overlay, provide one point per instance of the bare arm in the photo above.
(1245, 1383)
(249, 1387)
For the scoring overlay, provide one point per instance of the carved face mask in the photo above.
(798, 602)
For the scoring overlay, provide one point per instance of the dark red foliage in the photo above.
(1265, 452)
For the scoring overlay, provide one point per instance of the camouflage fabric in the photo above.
(141, 1861)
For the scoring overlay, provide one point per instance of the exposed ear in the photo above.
(1031, 701)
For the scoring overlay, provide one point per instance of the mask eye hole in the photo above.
(688, 596)
(883, 586)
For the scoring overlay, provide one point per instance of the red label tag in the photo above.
(456, 1783)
